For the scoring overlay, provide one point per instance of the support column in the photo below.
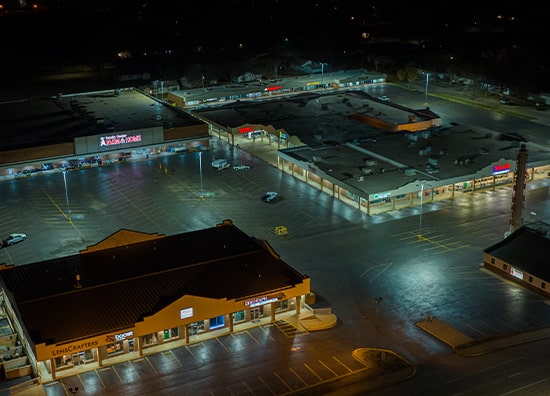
(140, 346)
(298, 304)
(230, 323)
(52, 365)
(186, 333)
(272, 306)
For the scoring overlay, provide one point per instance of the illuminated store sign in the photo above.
(382, 195)
(186, 313)
(75, 348)
(113, 140)
(500, 169)
(119, 337)
(517, 273)
(263, 300)
(274, 88)
(246, 129)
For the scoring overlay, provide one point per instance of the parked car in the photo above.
(269, 196)
(384, 98)
(506, 101)
(15, 238)
(241, 167)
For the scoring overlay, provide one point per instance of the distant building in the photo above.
(522, 257)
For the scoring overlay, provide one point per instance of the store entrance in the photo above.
(255, 314)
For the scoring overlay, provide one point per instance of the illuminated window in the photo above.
(217, 322)
(239, 317)
(117, 347)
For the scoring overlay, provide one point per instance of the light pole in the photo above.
(323, 74)
(377, 300)
(200, 170)
(420, 222)
(66, 191)
(420, 225)
(427, 79)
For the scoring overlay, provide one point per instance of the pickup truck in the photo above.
(241, 167)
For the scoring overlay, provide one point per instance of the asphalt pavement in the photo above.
(386, 367)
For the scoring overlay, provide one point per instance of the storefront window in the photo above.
(281, 305)
(196, 328)
(117, 347)
(150, 339)
(217, 322)
(171, 333)
(239, 317)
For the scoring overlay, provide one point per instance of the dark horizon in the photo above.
(491, 41)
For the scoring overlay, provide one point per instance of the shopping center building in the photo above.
(374, 155)
(134, 291)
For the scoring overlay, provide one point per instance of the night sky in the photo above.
(508, 35)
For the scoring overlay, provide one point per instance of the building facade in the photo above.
(134, 291)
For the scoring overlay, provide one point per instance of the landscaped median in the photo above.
(319, 321)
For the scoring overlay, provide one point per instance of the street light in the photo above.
(377, 300)
(421, 197)
(427, 79)
(66, 192)
(200, 170)
(323, 74)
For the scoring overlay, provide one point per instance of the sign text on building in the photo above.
(113, 140)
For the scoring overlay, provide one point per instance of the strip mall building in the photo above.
(133, 291)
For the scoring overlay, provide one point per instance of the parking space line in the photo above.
(99, 376)
(328, 368)
(297, 376)
(131, 362)
(282, 380)
(342, 364)
(266, 385)
(221, 343)
(253, 338)
(150, 364)
(117, 374)
(312, 371)
(170, 352)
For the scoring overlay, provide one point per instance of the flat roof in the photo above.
(146, 272)
(44, 121)
(342, 147)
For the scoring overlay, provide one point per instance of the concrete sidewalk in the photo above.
(464, 345)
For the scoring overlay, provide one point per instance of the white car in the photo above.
(241, 167)
(15, 238)
(221, 164)
(384, 98)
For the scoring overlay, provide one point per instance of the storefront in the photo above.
(222, 304)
